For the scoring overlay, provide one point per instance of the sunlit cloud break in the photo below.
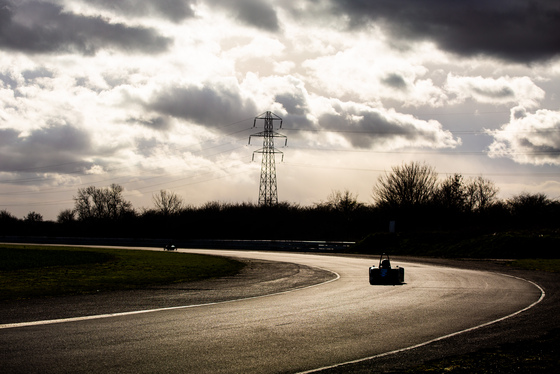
(529, 138)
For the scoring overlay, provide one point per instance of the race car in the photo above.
(170, 247)
(384, 273)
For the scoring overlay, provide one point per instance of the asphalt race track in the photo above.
(339, 321)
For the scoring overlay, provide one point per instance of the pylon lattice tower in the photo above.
(268, 190)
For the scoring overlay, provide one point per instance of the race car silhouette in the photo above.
(384, 273)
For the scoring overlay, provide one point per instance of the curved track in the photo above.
(314, 327)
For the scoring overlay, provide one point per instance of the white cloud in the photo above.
(369, 70)
(529, 138)
(259, 47)
(377, 128)
(499, 91)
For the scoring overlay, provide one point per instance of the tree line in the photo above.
(409, 198)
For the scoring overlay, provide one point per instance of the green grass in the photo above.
(12, 259)
(39, 271)
(43, 271)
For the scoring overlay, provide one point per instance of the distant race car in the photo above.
(384, 273)
(170, 247)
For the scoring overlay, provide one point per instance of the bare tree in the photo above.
(6, 216)
(406, 186)
(342, 201)
(451, 193)
(527, 204)
(167, 203)
(480, 193)
(101, 203)
(33, 217)
(67, 215)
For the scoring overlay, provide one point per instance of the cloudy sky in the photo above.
(162, 95)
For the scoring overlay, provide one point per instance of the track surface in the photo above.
(309, 328)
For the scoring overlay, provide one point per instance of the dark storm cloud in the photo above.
(296, 107)
(373, 128)
(174, 10)
(42, 27)
(395, 81)
(294, 104)
(147, 147)
(208, 106)
(535, 152)
(40, 72)
(497, 93)
(518, 113)
(158, 123)
(516, 30)
(8, 81)
(256, 13)
(7, 137)
(30, 75)
(48, 148)
(364, 129)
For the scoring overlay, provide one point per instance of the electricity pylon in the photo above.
(268, 190)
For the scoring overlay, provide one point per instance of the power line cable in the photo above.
(446, 173)
(58, 190)
(82, 172)
(438, 152)
(461, 132)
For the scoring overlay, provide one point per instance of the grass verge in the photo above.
(43, 271)
(535, 356)
(538, 356)
(539, 264)
(504, 245)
